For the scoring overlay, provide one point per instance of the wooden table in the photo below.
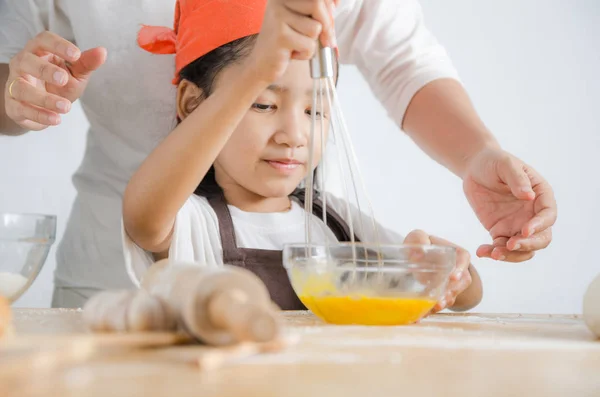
(444, 355)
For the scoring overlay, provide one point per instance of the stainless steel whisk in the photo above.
(325, 100)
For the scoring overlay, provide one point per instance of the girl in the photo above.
(222, 187)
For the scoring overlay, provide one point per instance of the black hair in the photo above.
(203, 73)
(204, 70)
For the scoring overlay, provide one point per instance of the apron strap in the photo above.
(335, 222)
(226, 230)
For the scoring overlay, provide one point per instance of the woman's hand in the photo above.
(45, 78)
(513, 202)
(290, 30)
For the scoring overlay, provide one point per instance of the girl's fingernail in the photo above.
(457, 275)
(501, 258)
(516, 247)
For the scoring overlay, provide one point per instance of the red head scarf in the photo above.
(201, 26)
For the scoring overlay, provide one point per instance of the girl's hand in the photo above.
(460, 279)
(290, 31)
(45, 78)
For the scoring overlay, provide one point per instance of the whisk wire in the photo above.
(323, 81)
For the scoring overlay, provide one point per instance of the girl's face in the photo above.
(267, 155)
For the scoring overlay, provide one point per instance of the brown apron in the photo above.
(268, 264)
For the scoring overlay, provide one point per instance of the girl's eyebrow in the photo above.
(277, 89)
(281, 90)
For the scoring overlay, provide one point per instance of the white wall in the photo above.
(531, 68)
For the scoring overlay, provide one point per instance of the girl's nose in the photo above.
(292, 132)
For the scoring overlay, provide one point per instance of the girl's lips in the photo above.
(284, 166)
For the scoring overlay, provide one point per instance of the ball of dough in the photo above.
(591, 306)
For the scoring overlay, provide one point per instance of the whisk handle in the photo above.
(321, 64)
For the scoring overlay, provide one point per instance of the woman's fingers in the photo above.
(546, 214)
(504, 255)
(485, 251)
(89, 61)
(32, 72)
(51, 43)
(32, 65)
(26, 93)
(22, 112)
(536, 242)
(517, 248)
(491, 250)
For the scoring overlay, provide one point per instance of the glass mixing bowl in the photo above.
(25, 240)
(369, 284)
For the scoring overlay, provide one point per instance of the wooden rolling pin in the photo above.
(219, 306)
(128, 311)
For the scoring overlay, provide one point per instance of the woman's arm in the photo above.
(442, 120)
(411, 74)
(169, 176)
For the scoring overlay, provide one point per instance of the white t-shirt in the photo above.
(196, 233)
(130, 101)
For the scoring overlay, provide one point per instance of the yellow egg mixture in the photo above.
(319, 295)
(366, 310)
